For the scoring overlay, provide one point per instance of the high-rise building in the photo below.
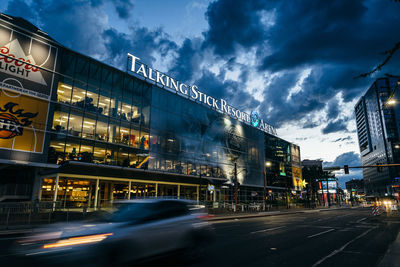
(378, 123)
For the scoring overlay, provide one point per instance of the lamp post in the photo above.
(267, 164)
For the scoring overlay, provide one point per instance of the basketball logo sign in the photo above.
(12, 122)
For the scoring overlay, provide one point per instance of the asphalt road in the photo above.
(351, 237)
(348, 237)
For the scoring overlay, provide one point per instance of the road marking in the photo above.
(269, 229)
(343, 247)
(360, 220)
(324, 232)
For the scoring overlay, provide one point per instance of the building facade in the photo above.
(378, 124)
(81, 133)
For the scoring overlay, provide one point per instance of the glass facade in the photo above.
(101, 115)
(105, 116)
(189, 138)
(279, 168)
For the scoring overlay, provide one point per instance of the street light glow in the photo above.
(268, 164)
(391, 102)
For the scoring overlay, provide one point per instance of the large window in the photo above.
(98, 116)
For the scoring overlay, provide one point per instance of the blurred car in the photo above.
(135, 231)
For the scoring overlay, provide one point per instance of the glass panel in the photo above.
(168, 190)
(141, 190)
(137, 91)
(123, 136)
(86, 150)
(88, 128)
(102, 131)
(144, 141)
(67, 63)
(104, 104)
(111, 153)
(60, 121)
(92, 99)
(106, 78)
(78, 94)
(64, 91)
(123, 157)
(75, 125)
(94, 74)
(76, 193)
(72, 150)
(81, 69)
(99, 153)
(56, 152)
(47, 190)
(188, 192)
(110, 191)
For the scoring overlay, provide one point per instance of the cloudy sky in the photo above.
(293, 61)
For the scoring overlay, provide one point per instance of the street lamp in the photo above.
(268, 164)
(391, 102)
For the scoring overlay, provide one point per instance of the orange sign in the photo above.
(22, 121)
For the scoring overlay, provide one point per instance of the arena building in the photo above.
(82, 133)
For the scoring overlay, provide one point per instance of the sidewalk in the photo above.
(392, 256)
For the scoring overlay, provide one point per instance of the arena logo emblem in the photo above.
(13, 121)
(255, 118)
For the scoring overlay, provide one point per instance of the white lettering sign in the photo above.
(194, 93)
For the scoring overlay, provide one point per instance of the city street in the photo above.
(344, 237)
(350, 237)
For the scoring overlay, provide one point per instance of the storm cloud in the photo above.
(290, 60)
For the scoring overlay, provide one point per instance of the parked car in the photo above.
(137, 230)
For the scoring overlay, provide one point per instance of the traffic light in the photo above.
(346, 169)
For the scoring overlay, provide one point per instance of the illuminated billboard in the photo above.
(27, 66)
(297, 178)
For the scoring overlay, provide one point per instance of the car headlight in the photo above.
(80, 240)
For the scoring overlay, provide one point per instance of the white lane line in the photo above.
(266, 230)
(360, 220)
(333, 253)
(324, 232)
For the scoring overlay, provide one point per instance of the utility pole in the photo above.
(236, 188)
(265, 189)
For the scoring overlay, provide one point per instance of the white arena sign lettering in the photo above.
(193, 92)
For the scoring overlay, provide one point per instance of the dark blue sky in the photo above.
(293, 61)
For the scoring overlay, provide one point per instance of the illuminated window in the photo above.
(60, 121)
(78, 95)
(88, 128)
(64, 92)
(102, 131)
